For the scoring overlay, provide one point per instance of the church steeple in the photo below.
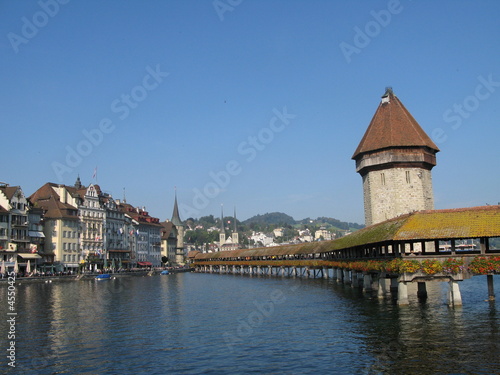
(176, 219)
(222, 234)
(235, 236)
(78, 183)
(179, 230)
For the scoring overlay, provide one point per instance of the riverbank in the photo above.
(88, 276)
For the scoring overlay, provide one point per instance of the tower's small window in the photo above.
(408, 180)
(382, 178)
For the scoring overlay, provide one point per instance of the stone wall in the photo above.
(395, 191)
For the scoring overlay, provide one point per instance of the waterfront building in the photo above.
(395, 158)
(61, 227)
(146, 236)
(168, 241)
(116, 234)
(92, 222)
(15, 207)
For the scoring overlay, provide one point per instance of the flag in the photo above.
(95, 173)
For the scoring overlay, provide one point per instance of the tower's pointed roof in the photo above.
(393, 126)
(222, 229)
(176, 219)
(235, 225)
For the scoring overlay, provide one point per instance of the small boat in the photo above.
(164, 272)
(104, 276)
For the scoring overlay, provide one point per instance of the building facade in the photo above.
(144, 236)
(20, 234)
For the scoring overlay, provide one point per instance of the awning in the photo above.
(37, 234)
(144, 263)
(30, 256)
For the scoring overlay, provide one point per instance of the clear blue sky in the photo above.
(101, 67)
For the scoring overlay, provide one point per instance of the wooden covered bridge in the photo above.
(445, 245)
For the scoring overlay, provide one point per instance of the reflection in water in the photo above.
(199, 323)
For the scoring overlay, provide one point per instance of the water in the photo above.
(227, 324)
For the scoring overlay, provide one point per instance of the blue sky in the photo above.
(254, 104)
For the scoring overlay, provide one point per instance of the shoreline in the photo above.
(91, 276)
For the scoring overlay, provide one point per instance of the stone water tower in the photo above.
(395, 159)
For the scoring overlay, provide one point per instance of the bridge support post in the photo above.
(454, 295)
(234, 270)
(361, 279)
(422, 290)
(259, 272)
(282, 271)
(294, 271)
(383, 286)
(402, 293)
(394, 286)
(211, 268)
(491, 288)
(325, 272)
(354, 279)
(367, 283)
(347, 279)
(270, 270)
(340, 275)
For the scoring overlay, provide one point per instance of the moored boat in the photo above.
(104, 276)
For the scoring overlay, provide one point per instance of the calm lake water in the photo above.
(229, 324)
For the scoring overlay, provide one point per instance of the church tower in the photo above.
(395, 158)
(235, 236)
(222, 234)
(179, 226)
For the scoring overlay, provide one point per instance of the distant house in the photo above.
(323, 233)
(279, 232)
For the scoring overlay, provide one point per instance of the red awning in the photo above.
(144, 264)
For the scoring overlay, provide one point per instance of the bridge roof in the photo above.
(459, 223)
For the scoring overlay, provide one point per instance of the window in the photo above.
(382, 178)
(408, 180)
